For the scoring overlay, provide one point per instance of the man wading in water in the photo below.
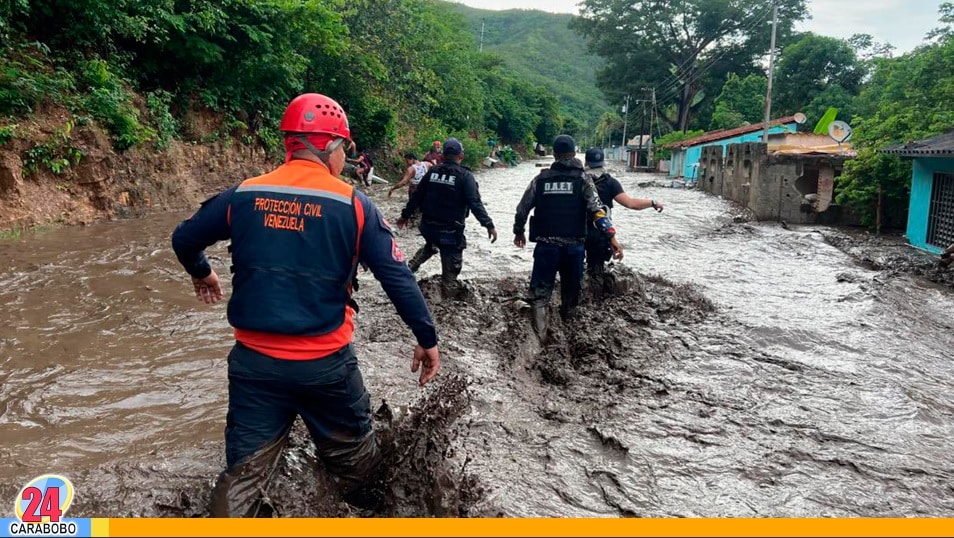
(297, 235)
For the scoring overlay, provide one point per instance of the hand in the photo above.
(401, 223)
(492, 234)
(431, 360)
(657, 206)
(208, 290)
(520, 240)
(390, 192)
(617, 249)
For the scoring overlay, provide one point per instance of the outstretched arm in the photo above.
(638, 204)
(408, 174)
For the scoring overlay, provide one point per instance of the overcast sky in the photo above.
(903, 23)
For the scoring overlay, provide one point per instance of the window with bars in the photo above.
(941, 214)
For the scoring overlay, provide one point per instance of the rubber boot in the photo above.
(539, 320)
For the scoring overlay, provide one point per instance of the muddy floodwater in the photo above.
(750, 369)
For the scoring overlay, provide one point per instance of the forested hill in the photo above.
(541, 48)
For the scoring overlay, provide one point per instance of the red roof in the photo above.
(712, 136)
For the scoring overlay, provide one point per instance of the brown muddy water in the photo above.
(750, 370)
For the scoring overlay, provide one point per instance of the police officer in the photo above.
(297, 234)
(598, 249)
(446, 195)
(564, 201)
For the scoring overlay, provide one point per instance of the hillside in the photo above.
(540, 47)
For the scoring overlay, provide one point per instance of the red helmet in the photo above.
(315, 113)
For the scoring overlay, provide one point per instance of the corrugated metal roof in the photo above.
(712, 136)
(937, 146)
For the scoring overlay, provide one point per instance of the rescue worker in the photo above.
(435, 156)
(446, 195)
(297, 234)
(598, 249)
(564, 201)
(413, 174)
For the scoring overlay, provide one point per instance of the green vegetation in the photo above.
(674, 136)
(405, 71)
(56, 154)
(547, 56)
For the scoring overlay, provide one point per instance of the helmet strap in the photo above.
(325, 154)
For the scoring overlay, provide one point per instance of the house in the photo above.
(931, 209)
(637, 149)
(791, 179)
(684, 162)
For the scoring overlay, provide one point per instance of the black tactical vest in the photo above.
(560, 210)
(443, 202)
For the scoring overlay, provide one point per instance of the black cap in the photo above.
(452, 147)
(594, 157)
(564, 144)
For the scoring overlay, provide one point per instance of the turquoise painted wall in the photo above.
(920, 205)
(689, 168)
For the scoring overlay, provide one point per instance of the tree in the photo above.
(907, 98)
(812, 65)
(679, 45)
(742, 101)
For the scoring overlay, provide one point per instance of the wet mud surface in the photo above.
(743, 369)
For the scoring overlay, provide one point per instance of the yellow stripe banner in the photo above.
(523, 527)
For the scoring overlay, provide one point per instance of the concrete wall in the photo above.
(688, 167)
(677, 162)
(794, 188)
(919, 207)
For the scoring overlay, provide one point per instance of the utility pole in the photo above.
(622, 149)
(768, 91)
(652, 122)
(642, 129)
(482, 35)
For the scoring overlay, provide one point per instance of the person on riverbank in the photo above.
(297, 235)
(412, 174)
(563, 199)
(598, 248)
(362, 168)
(446, 196)
(436, 155)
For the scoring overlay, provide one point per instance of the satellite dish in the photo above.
(839, 131)
(800, 118)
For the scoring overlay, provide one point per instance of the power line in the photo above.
(670, 90)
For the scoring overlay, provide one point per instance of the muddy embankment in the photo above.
(104, 183)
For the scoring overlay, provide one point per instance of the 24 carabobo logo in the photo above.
(44, 499)
(40, 508)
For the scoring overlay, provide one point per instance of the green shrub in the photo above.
(167, 128)
(56, 154)
(110, 103)
(7, 132)
(27, 79)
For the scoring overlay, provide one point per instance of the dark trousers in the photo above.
(598, 252)
(550, 259)
(450, 243)
(265, 396)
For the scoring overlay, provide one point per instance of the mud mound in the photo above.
(610, 342)
(424, 478)
(889, 254)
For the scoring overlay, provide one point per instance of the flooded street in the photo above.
(755, 370)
